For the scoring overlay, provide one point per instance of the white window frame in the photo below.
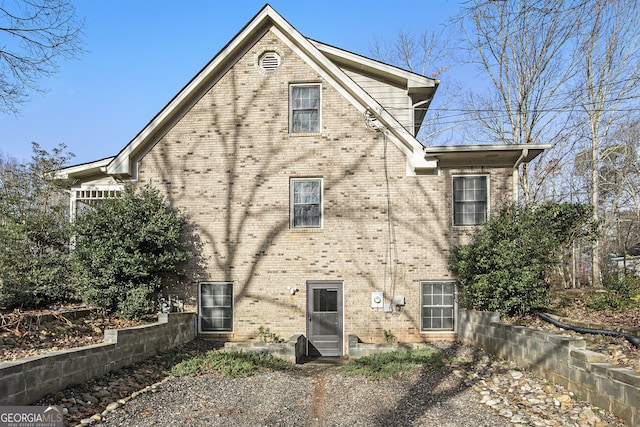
(201, 308)
(292, 109)
(454, 201)
(292, 204)
(453, 306)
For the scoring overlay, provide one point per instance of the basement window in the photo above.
(215, 307)
(438, 306)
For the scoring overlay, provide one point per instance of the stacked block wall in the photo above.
(562, 360)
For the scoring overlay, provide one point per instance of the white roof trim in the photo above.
(413, 80)
(121, 164)
(83, 169)
(491, 154)
(487, 147)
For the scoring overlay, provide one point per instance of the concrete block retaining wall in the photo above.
(292, 351)
(561, 360)
(24, 381)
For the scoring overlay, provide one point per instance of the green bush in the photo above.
(505, 266)
(123, 249)
(620, 293)
(35, 258)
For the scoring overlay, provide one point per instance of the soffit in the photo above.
(484, 155)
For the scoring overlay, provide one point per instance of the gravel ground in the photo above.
(311, 396)
(474, 389)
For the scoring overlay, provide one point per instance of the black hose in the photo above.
(629, 337)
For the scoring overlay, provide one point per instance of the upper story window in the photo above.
(470, 199)
(304, 104)
(306, 203)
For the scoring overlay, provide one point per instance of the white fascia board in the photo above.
(412, 79)
(83, 169)
(485, 147)
(513, 154)
(445, 149)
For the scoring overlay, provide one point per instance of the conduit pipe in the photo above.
(629, 337)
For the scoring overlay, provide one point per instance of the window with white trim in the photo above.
(215, 306)
(438, 306)
(306, 203)
(470, 199)
(304, 108)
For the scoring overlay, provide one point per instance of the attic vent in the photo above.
(269, 61)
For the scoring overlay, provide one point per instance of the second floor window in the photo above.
(306, 203)
(470, 199)
(305, 108)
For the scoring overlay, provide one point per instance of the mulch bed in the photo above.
(31, 333)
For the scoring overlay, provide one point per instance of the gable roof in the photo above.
(421, 89)
(330, 62)
(317, 55)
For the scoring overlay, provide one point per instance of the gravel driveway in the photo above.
(315, 395)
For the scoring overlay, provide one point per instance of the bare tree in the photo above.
(608, 46)
(34, 35)
(521, 47)
(619, 187)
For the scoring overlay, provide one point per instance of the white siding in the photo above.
(393, 98)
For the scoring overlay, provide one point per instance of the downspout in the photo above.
(516, 166)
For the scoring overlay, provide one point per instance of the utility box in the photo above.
(377, 299)
(399, 301)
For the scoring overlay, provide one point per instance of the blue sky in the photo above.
(141, 53)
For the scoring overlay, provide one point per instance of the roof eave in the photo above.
(84, 169)
(124, 163)
(398, 75)
(498, 155)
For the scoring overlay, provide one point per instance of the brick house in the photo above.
(316, 209)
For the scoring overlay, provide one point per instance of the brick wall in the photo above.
(227, 164)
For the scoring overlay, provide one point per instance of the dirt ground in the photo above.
(571, 309)
(30, 333)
